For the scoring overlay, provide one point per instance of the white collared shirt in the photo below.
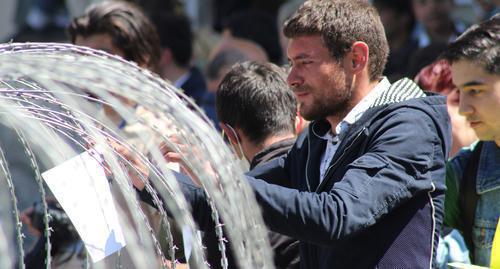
(356, 112)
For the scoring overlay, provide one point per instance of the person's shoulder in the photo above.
(456, 165)
(414, 103)
(465, 152)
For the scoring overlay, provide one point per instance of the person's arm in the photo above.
(195, 197)
(396, 168)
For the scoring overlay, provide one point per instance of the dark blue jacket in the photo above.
(381, 203)
(195, 86)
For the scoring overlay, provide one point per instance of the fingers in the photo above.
(139, 170)
(173, 157)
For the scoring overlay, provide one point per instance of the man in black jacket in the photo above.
(257, 111)
(367, 178)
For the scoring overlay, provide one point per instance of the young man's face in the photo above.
(318, 81)
(479, 98)
(99, 42)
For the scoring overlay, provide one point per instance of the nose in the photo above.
(294, 79)
(465, 107)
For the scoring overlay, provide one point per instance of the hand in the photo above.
(140, 169)
(173, 156)
(179, 155)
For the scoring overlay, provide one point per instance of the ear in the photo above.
(359, 56)
(229, 133)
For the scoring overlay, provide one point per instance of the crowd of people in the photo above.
(378, 137)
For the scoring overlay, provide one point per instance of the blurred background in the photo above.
(416, 29)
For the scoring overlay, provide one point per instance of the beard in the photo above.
(335, 102)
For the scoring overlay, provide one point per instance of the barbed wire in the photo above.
(56, 85)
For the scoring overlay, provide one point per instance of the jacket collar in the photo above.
(400, 91)
(488, 174)
(271, 152)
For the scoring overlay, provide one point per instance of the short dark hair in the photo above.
(128, 26)
(256, 98)
(340, 24)
(480, 44)
(175, 34)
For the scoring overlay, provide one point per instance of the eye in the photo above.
(474, 91)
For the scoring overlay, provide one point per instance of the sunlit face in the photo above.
(479, 98)
(99, 42)
(318, 81)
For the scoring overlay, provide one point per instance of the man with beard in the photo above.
(367, 177)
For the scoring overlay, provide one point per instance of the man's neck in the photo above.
(250, 149)
(173, 72)
(359, 92)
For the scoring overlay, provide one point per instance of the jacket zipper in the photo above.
(328, 170)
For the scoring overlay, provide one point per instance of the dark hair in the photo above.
(63, 235)
(340, 24)
(259, 27)
(480, 44)
(174, 30)
(398, 6)
(129, 28)
(422, 57)
(255, 97)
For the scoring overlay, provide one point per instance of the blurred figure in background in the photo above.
(257, 26)
(118, 28)
(222, 9)
(41, 20)
(67, 250)
(435, 22)
(122, 29)
(286, 10)
(398, 20)
(490, 7)
(423, 57)
(436, 77)
(176, 39)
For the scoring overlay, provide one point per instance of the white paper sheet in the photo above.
(81, 187)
